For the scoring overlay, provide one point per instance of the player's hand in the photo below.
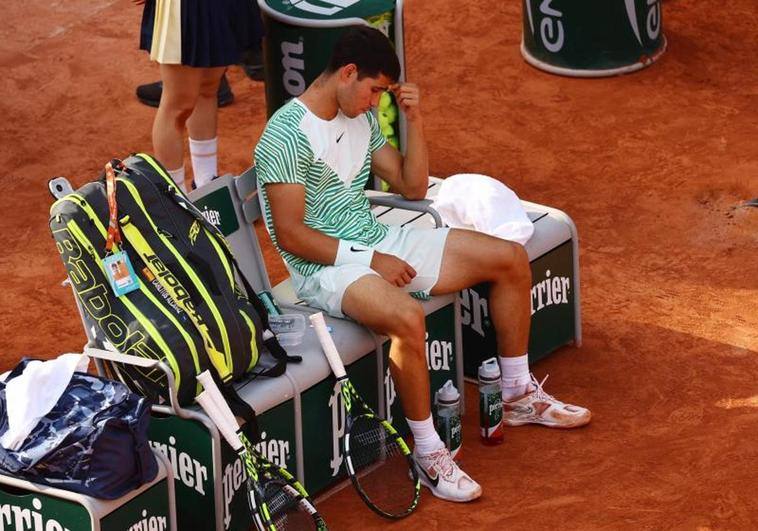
(392, 269)
(408, 98)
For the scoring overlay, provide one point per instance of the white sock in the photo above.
(204, 160)
(178, 176)
(425, 437)
(514, 376)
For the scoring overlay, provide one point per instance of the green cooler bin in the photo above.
(300, 35)
(592, 38)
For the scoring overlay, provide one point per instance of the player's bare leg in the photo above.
(388, 310)
(471, 258)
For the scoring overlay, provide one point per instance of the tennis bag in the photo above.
(188, 309)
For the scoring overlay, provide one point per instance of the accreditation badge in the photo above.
(120, 273)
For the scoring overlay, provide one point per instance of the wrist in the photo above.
(353, 253)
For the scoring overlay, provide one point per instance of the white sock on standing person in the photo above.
(178, 177)
(515, 378)
(425, 438)
(204, 154)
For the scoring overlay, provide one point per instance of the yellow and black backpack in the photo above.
(188, 310)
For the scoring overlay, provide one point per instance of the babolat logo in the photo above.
(95, 297)
(294, 66)
(25, 519)
(474, 310)
(438, 354)
(191, 472)
(319, 7)
(337, 407)
(152, 523)
(551, 25)
(389, 393)
(212, 216)
(178, 292)
(550, 291)
(194, 231)
(652, 19)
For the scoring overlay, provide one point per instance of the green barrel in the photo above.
(300, 35)
(592, 38)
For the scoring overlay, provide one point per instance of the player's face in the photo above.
(356, 96)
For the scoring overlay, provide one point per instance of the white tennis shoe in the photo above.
(538, 407)
(440, 474)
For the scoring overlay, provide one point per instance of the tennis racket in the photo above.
(277, 500)
(377, 459)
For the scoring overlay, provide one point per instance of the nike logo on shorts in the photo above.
(353, 249)
(340, 137)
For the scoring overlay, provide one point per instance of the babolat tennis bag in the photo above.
(93, 440)
(185, 306)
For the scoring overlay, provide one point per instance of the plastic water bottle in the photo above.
(490, 403)
(448, 408)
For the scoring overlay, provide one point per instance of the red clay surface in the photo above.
(650, 166)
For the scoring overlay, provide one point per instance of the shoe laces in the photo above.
(539, 392)
(443, 461)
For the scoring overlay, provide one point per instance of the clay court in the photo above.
(652, 166)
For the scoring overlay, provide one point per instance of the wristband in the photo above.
(353, 253)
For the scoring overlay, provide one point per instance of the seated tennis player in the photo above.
(313, 160)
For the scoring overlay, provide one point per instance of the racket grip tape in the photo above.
(217, 416)
(327, 344)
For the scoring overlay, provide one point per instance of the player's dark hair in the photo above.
(369, 50)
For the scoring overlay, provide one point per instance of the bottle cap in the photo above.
(447, 394)
(489, 370)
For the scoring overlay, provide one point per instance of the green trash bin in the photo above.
(592, 38)
(300, 35)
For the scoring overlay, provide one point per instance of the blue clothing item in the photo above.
(93, 441)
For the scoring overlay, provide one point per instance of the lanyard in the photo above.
(114, 235)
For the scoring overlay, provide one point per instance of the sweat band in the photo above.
(353, 253)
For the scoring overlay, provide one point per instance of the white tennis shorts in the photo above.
(422, 248)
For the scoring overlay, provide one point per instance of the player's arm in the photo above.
(409, 175)
(287, 203)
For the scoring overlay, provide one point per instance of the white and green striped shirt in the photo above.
(332, 159)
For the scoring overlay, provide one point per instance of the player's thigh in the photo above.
(472, 257)
(382, 307)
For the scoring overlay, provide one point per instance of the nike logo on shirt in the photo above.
(340, 137)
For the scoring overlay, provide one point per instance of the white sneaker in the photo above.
(538, 407)
(440, 474)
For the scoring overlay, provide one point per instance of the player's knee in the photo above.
(516, 263)
(409, 322)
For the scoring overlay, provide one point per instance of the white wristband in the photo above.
(353, 253)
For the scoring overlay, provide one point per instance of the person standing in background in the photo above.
(193, 41)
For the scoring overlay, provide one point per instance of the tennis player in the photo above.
(313, 160)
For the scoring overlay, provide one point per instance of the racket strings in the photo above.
(288, 509)
(382, 469)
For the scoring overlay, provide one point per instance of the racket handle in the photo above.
(212, 390)
(327, 344)
(217, 416)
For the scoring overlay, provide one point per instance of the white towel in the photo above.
(32, 395)
(481, 203)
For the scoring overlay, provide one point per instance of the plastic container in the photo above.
(289, 328)
(490, 403)
(447, 403)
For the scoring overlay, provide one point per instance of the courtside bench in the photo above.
(554, 257)
(26, 506)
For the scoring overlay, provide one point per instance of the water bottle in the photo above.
(490, 403)
(447, 402)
